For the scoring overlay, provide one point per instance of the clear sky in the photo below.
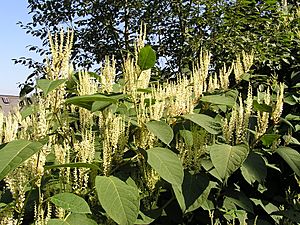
(13, 42)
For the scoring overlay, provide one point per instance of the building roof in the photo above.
(8, 103)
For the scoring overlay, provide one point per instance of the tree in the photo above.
(177, 30)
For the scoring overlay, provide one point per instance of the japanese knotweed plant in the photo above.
(105, 149)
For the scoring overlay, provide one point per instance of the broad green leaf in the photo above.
(192, 187)
(15, 153)
(208, 123)
(57, 222)
(254, 168)
(146, 58)
(79, 219)
(218, 100)
(202, 200)
(262, 107)
(49, 85)
(100, 105)
(27, 111)
(240, 199)
(167, 164)
(227, 159)
(209, 167)
(143, 219)
(86, 101)
(268, 207)
(269, 139)
(291, 156)
(71, 202)
(161, 130)
(119, 200)
(179, 196)
(73, 165)
(292, 117)
(187, 136)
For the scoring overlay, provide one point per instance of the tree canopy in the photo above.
(177, 30)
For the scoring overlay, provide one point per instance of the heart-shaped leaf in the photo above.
(227, 159)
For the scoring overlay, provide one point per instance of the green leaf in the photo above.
(86, 101)
(29, 110)
(187, 136)
(71, 202)
(79, 219)
(99, 105)
(119, 200)
(49, 85)
(143, 219)
(269, 139)
(202, 200)
(291, 156)
(219, 100)
(146, 58)
(208, 123)
(227, 159)
(268, 207)
(161, 130)
(192, 187)
(15, 153)
(57, 222)
(262, 107)
(254, 168)
(240, 199)
(167, 164)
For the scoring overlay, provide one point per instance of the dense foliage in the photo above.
(177, 30)
(208, 148)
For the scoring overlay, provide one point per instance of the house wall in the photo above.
(13, 103)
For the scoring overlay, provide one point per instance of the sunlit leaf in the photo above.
(146, 58)
(208, 123)
(119, 200)
(227, 159)
(79, 219)
(218, 100)
(49, 85)
(167, 164)
(161, 130)
(71, 202)
(15, 153)
(292, 158)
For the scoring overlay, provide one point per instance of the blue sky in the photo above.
(13, 42)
